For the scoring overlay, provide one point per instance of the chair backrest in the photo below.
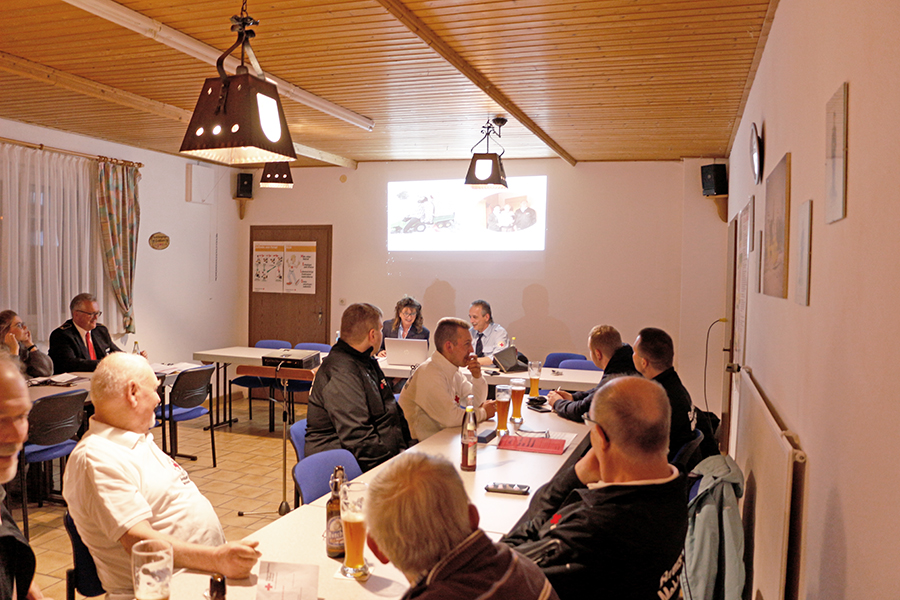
(191, 387)
(86, 580)
(298, 438)
(273, 344)
(579, 363)
(57, 418)
(688, 455)
(313, 346)
(313, 473)
(554, 358)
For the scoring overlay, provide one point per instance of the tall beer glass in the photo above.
(534, 373)
(517, 386)
(151, 569)
(503, 396)
(353, 499)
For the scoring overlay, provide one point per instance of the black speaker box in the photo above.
(245, 185)
(715, 180)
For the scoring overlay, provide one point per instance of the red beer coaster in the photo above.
(533, 444)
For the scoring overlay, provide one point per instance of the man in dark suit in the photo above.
(81, 342)
(654, 354)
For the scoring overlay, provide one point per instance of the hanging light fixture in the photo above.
(239, 119)
(277, 175)
(485, 169)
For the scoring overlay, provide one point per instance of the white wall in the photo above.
(831, 368)
(630, 244)
(179, 304)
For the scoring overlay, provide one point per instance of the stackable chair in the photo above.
(581, 364)
(83, 576)
(185, 402)
(298, 439)
(313, 474)
(254, 383)
(52, 424)
(554, 358)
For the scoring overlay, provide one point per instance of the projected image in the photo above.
(449, 215)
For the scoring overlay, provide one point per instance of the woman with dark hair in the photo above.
(15, 339)
(406, 324)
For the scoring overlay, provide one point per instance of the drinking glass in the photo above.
(353, 502)
(502, 397)
(534, 373)
(151, 568)
(517, 386)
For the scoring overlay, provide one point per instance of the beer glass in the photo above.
(503, 396)
(517, 387)
(534, 373)
(353, 499)
(151, 569)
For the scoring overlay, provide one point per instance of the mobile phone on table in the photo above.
(541, 408)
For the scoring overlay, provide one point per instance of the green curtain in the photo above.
(119, 217)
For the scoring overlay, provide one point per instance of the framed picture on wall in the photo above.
(836, 156)
(777, 228)
(804, 245)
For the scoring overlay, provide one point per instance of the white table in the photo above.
(237, 355)
(298, 536)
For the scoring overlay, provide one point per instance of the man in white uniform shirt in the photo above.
(434, 398)
(121, 488)
(488, 338)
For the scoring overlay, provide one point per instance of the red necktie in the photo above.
(90, 346)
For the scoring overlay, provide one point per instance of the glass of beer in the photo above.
(517, 386)
(534, 373)
(503, 396)
(151, 569)
(353, 499)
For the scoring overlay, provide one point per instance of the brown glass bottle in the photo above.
(334, 531)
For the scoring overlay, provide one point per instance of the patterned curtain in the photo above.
(120, 215)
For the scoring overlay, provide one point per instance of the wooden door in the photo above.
(293, 317)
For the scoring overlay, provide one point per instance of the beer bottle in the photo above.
(334, 531)
(469, 437)
(217, 588)
(136, 349)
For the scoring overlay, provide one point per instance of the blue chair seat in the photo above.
(183, 414)
(579, 364)
(36, 453)
(554, 358)
(312, 474)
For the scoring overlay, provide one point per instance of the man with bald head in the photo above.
(16, 558)
(121, 488)
(614, 524)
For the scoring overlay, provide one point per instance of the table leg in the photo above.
(222, 412)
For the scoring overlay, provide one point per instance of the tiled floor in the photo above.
(248, 478)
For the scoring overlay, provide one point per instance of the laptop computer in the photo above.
(406, 352)
(507, 360)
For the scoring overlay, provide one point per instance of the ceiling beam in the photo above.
(55, 77)
(427, 35)
(135, 21)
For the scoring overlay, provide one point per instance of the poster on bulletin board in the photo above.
(300, 267)
(284, 267)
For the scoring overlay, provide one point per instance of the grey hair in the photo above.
(110, 380)
(417, 511)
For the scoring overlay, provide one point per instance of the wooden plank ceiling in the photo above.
(591, 81)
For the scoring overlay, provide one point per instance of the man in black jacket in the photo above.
(351, 404)
(17, 560)
(81, 342)
(654, 353)
(610, 354)
(613, 526)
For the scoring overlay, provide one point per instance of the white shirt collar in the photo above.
(603, 484)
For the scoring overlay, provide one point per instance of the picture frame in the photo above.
(777, 228)
(804, 253)
(836, 155)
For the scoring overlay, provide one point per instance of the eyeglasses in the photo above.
(93, 315)
(407, 313)
(587, 419)
(20, 325)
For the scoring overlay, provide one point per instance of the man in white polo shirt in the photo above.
(121, 488)
(435, 396)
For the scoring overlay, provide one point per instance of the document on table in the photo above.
(63, 379)
(287, 581)
(168, 368)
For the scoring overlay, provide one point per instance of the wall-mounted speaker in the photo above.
(245, 185)
(715, 180)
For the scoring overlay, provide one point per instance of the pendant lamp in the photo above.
(277, 175)
(486, 168)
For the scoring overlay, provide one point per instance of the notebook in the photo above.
(405, 352)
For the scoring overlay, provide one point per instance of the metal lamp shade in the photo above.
(277, 175)
(250, 128)
(486, 171)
